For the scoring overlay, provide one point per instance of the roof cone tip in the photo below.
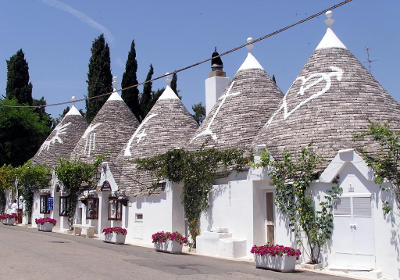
(249, 45)
(329, 20)
(168, 79)
(115, 83)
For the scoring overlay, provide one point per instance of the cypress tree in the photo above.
(131, 96)
(99, 77)
(199, 112)
(174, 85)
(18, 85)
(146, 98)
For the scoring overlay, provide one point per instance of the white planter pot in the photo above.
(114, 238)
(46, 227)
(283, 264)
(8, 221)
(169, 246)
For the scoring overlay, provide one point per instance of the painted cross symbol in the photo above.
(139, 137)
(207, 130)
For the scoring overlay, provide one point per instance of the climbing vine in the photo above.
(198, 170)
(292, 178)
(386, 160)
(7, 181)
(73, 174)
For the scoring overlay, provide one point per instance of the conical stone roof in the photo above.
(167, 126)
(108, 132)
(330, 101)
(241, 111)
(62, 139)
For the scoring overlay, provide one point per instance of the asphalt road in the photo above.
(28, 254)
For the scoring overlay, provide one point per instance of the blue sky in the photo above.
(56, 37)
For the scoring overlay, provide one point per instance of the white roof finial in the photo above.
(73, 100)
(250, 47)
(329, 21)
(168, 79)
(115, 83)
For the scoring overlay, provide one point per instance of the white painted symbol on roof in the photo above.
(305, 86)
(139, 137)
(60, 130)
(207, 130)
(90, 136)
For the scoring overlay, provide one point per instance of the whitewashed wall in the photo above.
(162, 212)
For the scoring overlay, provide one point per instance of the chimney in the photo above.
(216, 81)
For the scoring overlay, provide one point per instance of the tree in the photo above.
(174, 85)
(146, 97)
(31, 178)
(21, 133)
(199, 112)
(99, 77)
(18, 85)
(274, 79)
(386, 161)
(7, 179)
(131, 95)
(72, 175)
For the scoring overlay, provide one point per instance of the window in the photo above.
(92, 208)
(139, 217)
(65, 205)
(43, 204)
(114, 209)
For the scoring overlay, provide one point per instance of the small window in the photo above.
(139, 217)
(43, 204)
(65, 205)
(161, 186)
(114, 209)
(92, 208)
(343, 207)
(362, 206)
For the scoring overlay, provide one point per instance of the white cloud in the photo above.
(81, 16)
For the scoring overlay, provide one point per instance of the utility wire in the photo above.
(194, 64)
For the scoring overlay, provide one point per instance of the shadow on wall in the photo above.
(217, 190)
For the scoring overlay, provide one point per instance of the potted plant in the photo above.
(169, 242)
(45, 224)
(275, 257)
(8, 219)
(115, 235)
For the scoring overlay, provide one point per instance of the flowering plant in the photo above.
(8, 216)
(161, 236)
(41, 221)
(117, 230)
(275, 250)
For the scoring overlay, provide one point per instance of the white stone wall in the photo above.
(162, 212)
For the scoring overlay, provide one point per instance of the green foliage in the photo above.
(73, 175)
(31, 178)
(8, 175)
(99, 77)
(292, 178)
(385, 161)
(198, 170)
(131, 95)
(199, 112)
(146, 97)
(18, 85)
(21, 133)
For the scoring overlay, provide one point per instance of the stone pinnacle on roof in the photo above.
(250, 62)
(216, 61)
(330, 40)
(168, 93)
(114, 95)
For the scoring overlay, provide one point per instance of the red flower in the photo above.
(275, 250)
(117, 230)
(160, 237)
(45, 220)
